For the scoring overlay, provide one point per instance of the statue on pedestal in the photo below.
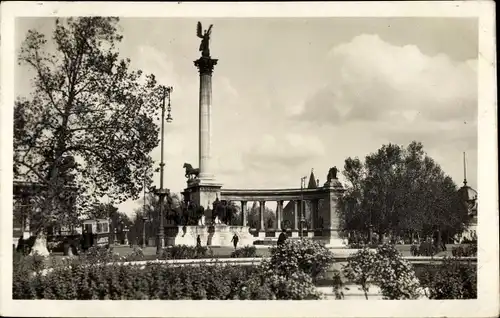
(332, 174)
(191, 172)
(205, 39)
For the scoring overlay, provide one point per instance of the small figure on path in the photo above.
(235, 240)
(282, 238)
(198, 241)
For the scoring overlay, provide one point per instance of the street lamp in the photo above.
(166, 91)
(144, 217)
(302, 219)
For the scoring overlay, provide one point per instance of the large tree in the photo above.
(400, 191)
(88, 128)
(150, 209)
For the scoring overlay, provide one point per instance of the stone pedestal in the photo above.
(202, 193)
(330, 214)
(218, 235)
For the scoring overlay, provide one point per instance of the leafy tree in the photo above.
(87, 130)
(108, 211)
(228, 212)
(254, 216)
(400, 191)
(151, 210)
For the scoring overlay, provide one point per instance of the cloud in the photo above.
(369, 79)
(284, 152)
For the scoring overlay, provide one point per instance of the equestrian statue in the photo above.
(191, 173)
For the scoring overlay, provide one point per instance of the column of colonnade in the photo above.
(297, 214)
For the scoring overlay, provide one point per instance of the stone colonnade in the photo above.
(298, 213)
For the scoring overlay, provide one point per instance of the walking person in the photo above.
(198, 241)
(235, 240)
(282, 238)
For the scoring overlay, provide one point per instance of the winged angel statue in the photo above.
(205, 39)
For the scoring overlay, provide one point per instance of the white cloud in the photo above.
(284, 151)
(369, 79)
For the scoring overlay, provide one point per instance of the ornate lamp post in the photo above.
(144, 217)
(144, 220)
(162, 193)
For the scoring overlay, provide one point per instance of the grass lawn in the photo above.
(150, 252)
(225, 251)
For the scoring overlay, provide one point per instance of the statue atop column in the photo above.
(332, 174)
(332, 179)
(205, 39)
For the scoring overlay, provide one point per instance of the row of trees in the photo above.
(401, 191)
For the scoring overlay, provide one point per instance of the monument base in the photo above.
(215, 235)
(202, 192)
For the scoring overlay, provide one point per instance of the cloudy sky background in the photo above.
(291, 94)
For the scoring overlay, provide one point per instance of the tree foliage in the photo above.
(151, 212)
(89, 122)
(254, 217)
(118, 220)
(400, 190)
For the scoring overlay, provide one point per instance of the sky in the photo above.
(295, 94)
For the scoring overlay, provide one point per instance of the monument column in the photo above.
(203, 189)
(279, 215)
(244, 214)
(261, 215)
(314, 213)
(205, 67)
(295, 214)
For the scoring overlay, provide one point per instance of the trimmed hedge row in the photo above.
(88, 277)
(247, 251)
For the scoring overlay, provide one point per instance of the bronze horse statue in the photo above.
(191, 172)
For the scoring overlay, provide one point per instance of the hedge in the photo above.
(88, 277)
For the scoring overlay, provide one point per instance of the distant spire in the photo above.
(312, 181)
(465, 171)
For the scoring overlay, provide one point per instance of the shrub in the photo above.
(386, 268)
(136, 255)
(451, 280)
(297, 286)
(98, 254)
(360, 245)
(247, 251)
(465, 251)
(396, 276)
(304, 255)
(427, 249)
(89, 277)
(414, 250)
(77, 280)
(360, 269)
(184, 252)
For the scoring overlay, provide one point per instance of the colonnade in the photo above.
(298, 213)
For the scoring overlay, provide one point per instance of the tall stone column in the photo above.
(205, 67)
(244, 213)
(279, 215)
(314, 213)
(296, 214)
(261, 215)
(204, 190)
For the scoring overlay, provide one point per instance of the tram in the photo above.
(99, 229)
